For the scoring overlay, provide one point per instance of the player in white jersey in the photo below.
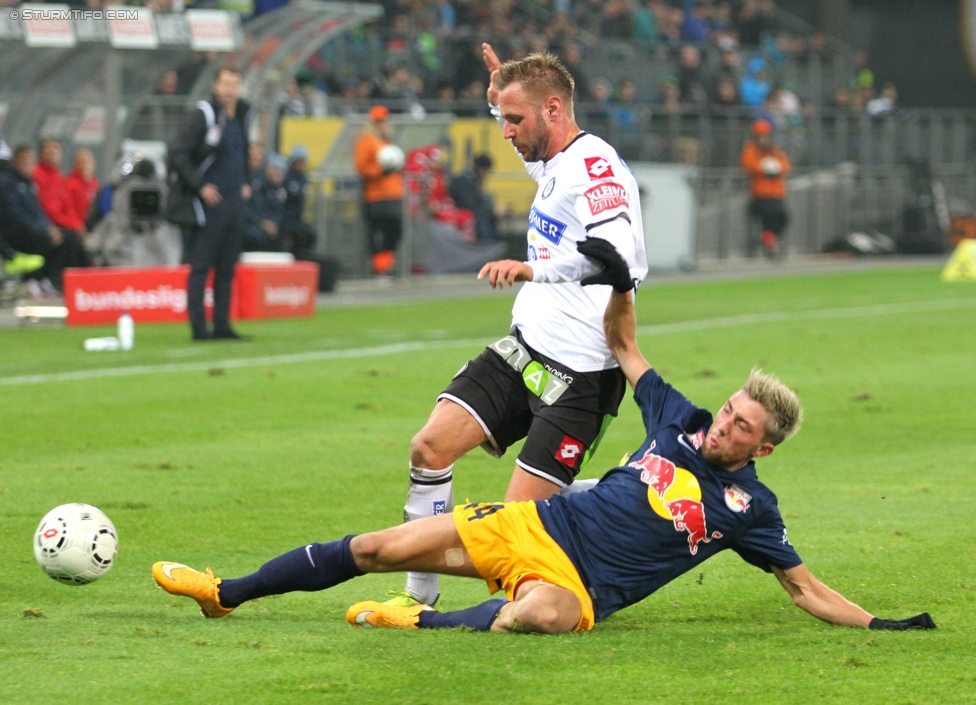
(553, 380)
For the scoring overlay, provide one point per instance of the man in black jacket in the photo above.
(25, 226)
(209, 187)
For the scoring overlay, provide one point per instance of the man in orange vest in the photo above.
(382, 191)
(767, 166)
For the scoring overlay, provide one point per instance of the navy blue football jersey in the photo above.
(666, 510)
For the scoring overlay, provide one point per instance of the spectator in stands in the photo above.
(315, 100)
(444, 18)
(754, 20)
(299, 236)
(669, 26)
(164, 110)
(617, 21)
(266, 208)
(729, 66)
(723, 23)
(52, 189)
(255, 158)
(625, 119)
(382, 192)
(82, 185)
(696, 23)
(861, 76)
(595, 109)
(572, 56)
(726, 94)
(885, 103)
(470, 68)
(691, 77)
(402, 86)
(467, 189)
(755, 86)
(646, 22)
(7, 252)
(669, 95)
(27, 228)
(292, 101)
(767, 167)
(474, 97)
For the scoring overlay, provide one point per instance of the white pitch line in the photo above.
(815, 314)
(398, 348)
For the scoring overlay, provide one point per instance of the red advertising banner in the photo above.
(276, 290)
(98, 296)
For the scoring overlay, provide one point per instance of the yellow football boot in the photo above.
(385, 616)
(178, 579)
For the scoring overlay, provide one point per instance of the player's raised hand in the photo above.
(506, 270)
(492, 64)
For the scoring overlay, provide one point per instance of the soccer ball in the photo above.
(390, 157)
(75, 544)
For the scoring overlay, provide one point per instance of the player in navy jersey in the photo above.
(689, 491)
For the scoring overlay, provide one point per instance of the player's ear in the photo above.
(764, 449)
(553, 106)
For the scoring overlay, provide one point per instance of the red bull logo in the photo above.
(737, 499)
(675, 494)
(689, 515)
(657, 472)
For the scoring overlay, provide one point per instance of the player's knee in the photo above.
(424, 452)
(538, 617)
(371, 552)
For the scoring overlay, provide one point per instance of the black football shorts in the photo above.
(515, 392)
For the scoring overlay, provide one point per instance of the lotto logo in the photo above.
(598, 168)
(604, 197)
(569, 450)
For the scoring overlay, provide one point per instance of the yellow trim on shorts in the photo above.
(508, 544)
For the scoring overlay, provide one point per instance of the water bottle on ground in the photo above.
(127, 331)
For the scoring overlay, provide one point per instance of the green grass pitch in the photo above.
(225, 455)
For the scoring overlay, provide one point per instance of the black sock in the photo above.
(479, 618)
(316, 566)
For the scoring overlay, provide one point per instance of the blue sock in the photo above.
(316, 566)
(479, 618)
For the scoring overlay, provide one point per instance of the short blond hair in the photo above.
(540, 75)
(779, 401)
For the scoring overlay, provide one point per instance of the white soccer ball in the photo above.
(390, 157)
(76, 544)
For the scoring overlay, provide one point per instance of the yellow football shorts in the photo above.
(509, 545)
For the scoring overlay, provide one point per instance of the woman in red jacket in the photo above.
(82, 184)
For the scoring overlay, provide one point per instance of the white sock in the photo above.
(430, 492)
(579, 486)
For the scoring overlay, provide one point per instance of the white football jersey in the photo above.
(585, 190)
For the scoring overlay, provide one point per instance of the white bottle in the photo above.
(110, 343)
(127, 331)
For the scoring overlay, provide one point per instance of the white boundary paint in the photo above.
(399, 348)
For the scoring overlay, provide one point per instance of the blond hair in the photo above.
(540, 75)
(779, 401)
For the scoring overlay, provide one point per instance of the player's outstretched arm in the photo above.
(620, 327)
(505, 271)
(813, 596)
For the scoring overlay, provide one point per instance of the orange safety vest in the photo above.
(763, 185)
(377, 186)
